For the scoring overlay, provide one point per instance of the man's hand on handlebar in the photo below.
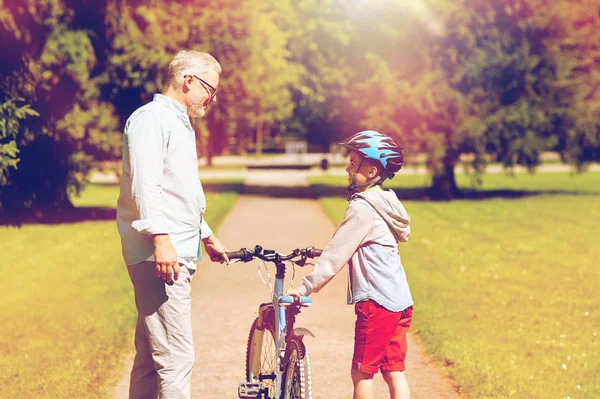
(216, 250)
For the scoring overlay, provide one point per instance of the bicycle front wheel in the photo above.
(261, 357)
(297, 379)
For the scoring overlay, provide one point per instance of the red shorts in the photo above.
(379, 338)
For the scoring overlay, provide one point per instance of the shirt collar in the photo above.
(376, 187)
(168, 101)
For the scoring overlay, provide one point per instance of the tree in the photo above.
(322, 36)
(578, 38)
(500, 80)
(245, 37)
(491, 85)
(12, 114)
(55, 125)
(270, 74)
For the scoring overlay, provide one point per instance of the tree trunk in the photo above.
(240, 145)
(443, 184)
(259, 137)
(212, 126)
(209, 152)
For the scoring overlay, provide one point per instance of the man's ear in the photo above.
(187, 82)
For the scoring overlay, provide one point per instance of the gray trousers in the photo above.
(164, 347)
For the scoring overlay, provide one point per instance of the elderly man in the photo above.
(160, 219)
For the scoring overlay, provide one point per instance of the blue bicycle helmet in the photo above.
(380, 147)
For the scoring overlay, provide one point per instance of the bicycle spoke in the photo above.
(261, 358)
(297, 377)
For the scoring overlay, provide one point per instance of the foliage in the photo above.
(492, 81)
(11, 116)
(321, 36)
(501, 80)
(245, 37)
(59, 127)
(579, 143)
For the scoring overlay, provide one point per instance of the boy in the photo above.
(367, 239)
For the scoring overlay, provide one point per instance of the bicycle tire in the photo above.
(297, 383)
(261, 356)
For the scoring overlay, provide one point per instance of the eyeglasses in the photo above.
(211, 93)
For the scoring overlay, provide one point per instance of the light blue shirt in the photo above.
(161, 192)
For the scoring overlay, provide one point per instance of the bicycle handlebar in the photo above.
(246, 255)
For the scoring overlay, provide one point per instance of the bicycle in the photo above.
(277, 360)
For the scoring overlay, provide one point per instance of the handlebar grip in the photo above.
(314, 252)
(241, 254)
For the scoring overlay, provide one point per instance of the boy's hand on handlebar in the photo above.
(293, 292)
(215, 249)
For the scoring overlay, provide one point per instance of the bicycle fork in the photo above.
(284, 316)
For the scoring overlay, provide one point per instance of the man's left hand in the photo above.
(215, 249)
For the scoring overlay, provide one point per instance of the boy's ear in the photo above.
(373, 171)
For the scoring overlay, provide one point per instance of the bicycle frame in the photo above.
(280, 305)
(284, 310)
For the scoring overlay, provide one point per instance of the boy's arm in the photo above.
(347, 238)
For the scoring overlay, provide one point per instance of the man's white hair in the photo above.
(188, 62)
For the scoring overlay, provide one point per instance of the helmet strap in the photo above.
(352, 188)
(352, 185)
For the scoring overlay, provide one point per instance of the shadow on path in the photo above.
(423, 193)
(222, 187)
(74, 215)
(82, 214)
(280, 191)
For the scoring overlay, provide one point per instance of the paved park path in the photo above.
(226, 299)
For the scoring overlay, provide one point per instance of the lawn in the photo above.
(507, 288)
(67, 303)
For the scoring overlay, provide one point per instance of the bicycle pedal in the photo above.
(249, 390)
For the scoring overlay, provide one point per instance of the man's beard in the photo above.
(197, 109)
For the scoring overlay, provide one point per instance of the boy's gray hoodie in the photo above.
(367, 239)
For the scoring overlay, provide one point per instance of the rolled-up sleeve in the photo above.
(146, 146)
(205, 230)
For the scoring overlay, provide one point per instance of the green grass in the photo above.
(67, 303)
(506, 290)
(97, 195)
